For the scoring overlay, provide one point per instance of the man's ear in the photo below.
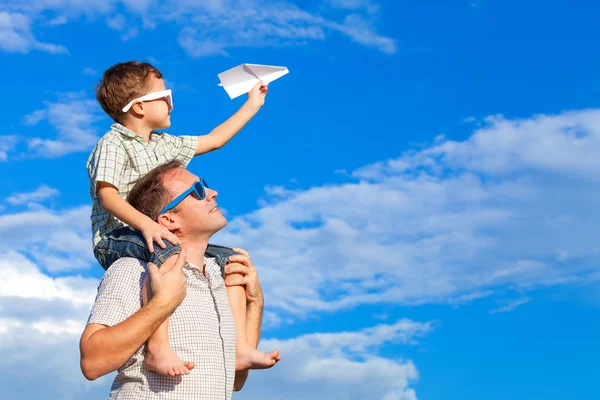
(169, 220)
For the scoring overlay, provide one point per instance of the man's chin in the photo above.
(220, 223)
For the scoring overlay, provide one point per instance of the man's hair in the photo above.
(149, 195)
(122, 83)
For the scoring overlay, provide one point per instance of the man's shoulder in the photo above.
(129, 262)
(126, 268)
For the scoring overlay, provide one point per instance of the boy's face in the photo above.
(157, 112)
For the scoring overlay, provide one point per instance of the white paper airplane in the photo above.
(239, 80)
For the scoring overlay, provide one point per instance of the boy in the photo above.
(133, 94)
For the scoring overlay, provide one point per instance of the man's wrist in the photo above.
(162, 304)
(257, 301)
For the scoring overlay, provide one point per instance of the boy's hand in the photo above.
(154, 232)
(257, 95)
(169, 288)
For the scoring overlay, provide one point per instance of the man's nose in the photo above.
(211, 194)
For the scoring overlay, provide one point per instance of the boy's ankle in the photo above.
(155, 347)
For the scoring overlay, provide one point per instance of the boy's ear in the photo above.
(168, 221)
(138, 108)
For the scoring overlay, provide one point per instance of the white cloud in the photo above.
(7, 145)
(213, 34)
(41, 193)
(130, 34)
(354, 4)
(449, 223)
(16, 36)
(337, 365)
(73, 117)
(89, 71)
(41, 318)
(214, 27)
(361, 31)
(22, 279)
(511, 305)
(281, 24)
(58, 240)
(116, 22)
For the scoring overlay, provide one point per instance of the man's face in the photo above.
(194, 216)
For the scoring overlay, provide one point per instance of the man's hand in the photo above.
(154, 232)
(170, 287)
(257, 95)
(242, 264)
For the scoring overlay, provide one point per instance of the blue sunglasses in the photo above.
(198, 190)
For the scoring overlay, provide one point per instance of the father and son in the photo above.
(179, 318)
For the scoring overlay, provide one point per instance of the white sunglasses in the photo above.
(152, 96)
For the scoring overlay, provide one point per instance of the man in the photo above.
(192, 294)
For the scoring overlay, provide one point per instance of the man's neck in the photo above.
(195, 249)
(138, 127)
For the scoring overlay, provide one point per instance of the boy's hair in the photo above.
(122, 83)
(149, 195)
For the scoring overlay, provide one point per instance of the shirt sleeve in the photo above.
(181, 148)
(107, 163)
(119, 293)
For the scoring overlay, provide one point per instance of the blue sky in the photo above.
(418, 194)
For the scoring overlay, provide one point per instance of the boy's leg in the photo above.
(128, 242)
(247, 357)
(160, 357)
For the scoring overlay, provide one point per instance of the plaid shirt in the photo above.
(122, 157)
(201, 330)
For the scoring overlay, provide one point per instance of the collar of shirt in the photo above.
(129, 133)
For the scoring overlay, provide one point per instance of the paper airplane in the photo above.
(239, 80)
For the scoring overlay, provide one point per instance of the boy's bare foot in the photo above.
(164, 361)
(249, 358)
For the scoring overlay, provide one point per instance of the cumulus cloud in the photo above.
(73, 117)
(511, 305)
(41, 319)
(337, 365)
(59, 240)
(315, 365)
(16, 35)
(511, 207)
(7, 144)
(209, 27)
(216, 30)
(41, 193)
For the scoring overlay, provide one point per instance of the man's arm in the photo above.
(228, 129)
(254, 310)
(105, 348)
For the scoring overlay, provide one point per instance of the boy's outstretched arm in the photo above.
(228, 129)
(120, 208)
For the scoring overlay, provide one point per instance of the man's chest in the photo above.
(204, 318)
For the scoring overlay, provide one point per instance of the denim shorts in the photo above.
(129, 242)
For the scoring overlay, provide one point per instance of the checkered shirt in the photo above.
(121, 157)
(201, 330)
